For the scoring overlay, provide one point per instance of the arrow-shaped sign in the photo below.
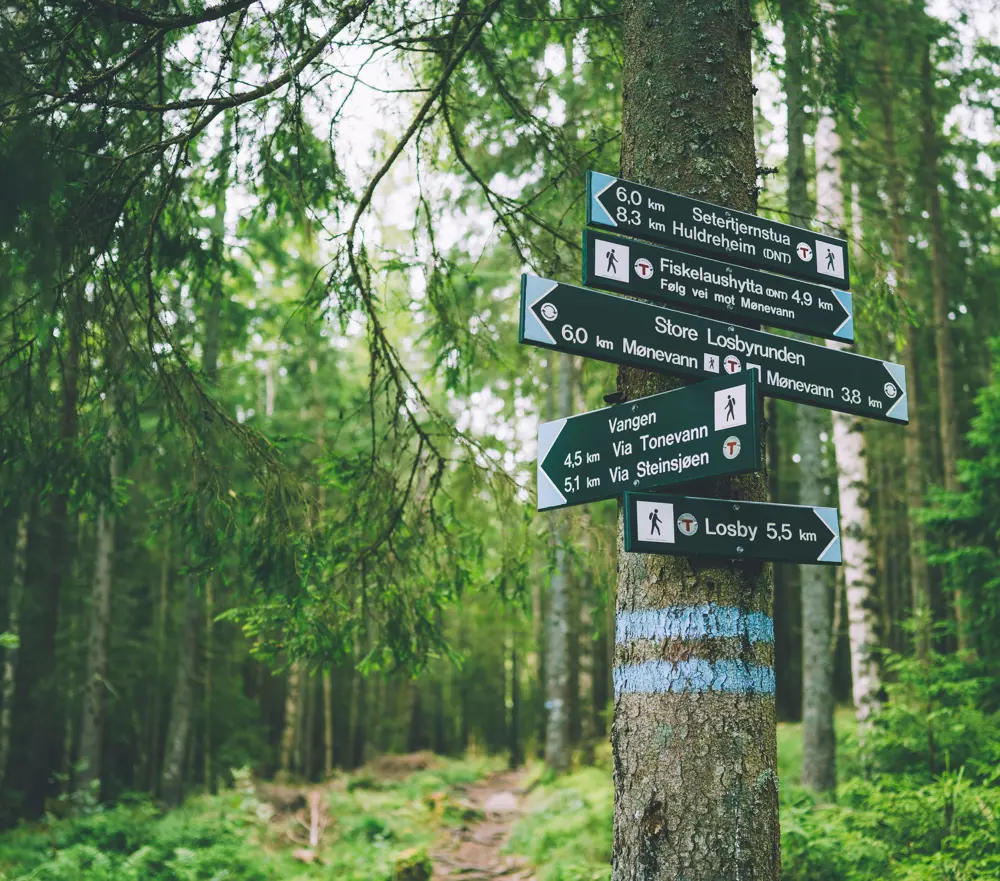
(688, 281)
(680, 525)
(659, 216)
(623, 331)
(701, 430)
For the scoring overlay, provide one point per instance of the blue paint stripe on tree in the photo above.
(693, 677)
(706, 621)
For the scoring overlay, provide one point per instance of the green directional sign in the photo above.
(659, 216)
(680, 525)
(623, 331)
(693, 282)
(701, 430)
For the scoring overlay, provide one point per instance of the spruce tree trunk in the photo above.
(558, 613)
(947, 412)
(695, 767)
(895, 189)
(818, 740)
(19, 566)
(852, 467)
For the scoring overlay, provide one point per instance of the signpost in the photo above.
(687, 281)
(623, 331)
(697, 431)
(680, 525)
(659, 216)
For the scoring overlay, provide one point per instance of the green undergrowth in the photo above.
(566, 830)
(374, 822)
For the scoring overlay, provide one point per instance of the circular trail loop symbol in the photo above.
(549, 312)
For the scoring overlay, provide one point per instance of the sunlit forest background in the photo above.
(267, 439)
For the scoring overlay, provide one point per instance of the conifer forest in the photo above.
(312, 566)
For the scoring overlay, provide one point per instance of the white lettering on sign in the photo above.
(731, 407)
(656, 441)
(611, 260)
(830, 259)
(737, 344)
(666, 326)
(728, 222)
(630, 423)
(631, 347)
(732, 530)
(809, 388)
(652, 468)
(655, 521)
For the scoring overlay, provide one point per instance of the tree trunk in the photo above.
(155, 716)
(415, 738)
(919, 574)
(291, 721)
(175, 746)
(818, 739)
(327, 724)
(19, 567)
(695, 765)
(516, 757)
(852, 468)
(557, 620)
(182, 702)
(92, 725)
(947, 412)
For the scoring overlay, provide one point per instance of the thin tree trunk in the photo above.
(327, 724)
(516, 753)
(92, 725)
(818, 739)
(695, 765)
(415, 738)
(182, 701)
(207, 768)
(557, 619)
(175, 748)
(947, 412)
(291, 721)
(156, 713)
(852, 468)
(919, 573)
(19, 566)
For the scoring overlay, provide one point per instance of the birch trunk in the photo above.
(852, 468)
(695, 755)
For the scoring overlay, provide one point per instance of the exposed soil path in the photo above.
(474, 852)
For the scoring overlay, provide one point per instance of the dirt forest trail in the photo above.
(474, 852)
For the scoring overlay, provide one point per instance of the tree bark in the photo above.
(695, 765)
(19, 566)
(818, 739)
(947, 412)
(92, 725)
(327, 724)
(290, 728)
(895, 188)
(852, 468)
